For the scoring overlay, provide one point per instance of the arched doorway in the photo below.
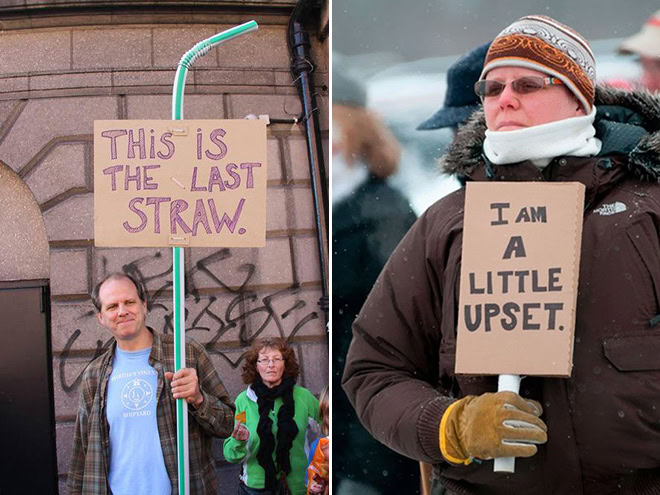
(27, 420)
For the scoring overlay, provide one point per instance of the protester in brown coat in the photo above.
(543, 120)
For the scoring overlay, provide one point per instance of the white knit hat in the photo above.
(647, 41)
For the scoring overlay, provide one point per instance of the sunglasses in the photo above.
(522, 85)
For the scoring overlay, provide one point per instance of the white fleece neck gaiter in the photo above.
(541, 143)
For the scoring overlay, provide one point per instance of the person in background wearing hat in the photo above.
(460, 99)
(369, 218)
(646, 44)
(543, 119)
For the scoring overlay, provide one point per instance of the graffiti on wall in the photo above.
(246, 311)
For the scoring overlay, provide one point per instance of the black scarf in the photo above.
(286, 428)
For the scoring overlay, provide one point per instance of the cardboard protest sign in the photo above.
(160, 183)
(519, 273)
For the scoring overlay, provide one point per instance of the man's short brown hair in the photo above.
(98, 304)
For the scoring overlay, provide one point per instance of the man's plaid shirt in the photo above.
(88, 473)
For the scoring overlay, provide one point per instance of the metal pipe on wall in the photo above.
(301, 67)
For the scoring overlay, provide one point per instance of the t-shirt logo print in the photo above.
(136, 394)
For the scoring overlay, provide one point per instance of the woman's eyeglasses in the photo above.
(270, 361)
(522, 85)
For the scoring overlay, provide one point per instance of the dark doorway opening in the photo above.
(28, 461)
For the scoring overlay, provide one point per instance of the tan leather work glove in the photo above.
(502, 424)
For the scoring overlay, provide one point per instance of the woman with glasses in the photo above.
(597, 431)
(273, 416)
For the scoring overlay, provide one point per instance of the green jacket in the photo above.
(307, 419)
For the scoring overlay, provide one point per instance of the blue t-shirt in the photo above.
(137, 466)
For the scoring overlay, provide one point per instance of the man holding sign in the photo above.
(125, 436)
(587, 427)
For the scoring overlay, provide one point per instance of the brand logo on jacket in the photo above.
(611, 209)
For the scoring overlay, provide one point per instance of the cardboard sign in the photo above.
(519, 274)
(160, 183)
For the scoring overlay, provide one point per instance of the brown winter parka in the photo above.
(604, 421)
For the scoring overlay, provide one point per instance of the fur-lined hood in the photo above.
(627, 122)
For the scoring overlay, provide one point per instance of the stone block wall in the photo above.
(60, 73)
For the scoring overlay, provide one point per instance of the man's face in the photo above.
(509, 110)
(651, 73)
(122, 311)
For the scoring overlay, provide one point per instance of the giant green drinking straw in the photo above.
(188, 59)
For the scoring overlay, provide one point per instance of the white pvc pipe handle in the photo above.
(506, 383)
